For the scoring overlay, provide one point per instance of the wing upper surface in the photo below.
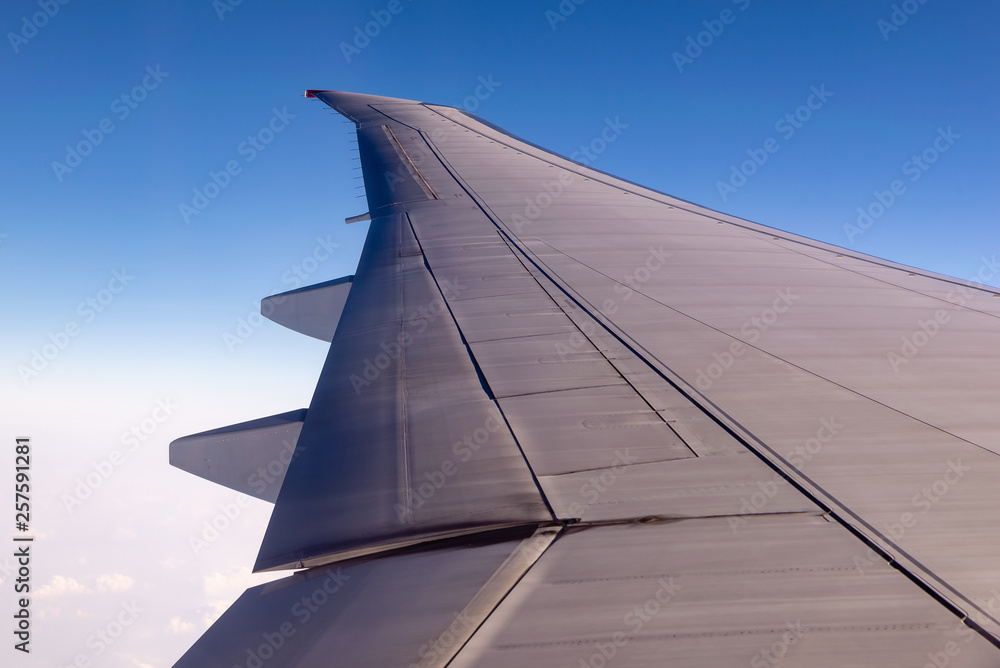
(766, 418)
(780, 339)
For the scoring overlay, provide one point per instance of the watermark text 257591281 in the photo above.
(22, 545)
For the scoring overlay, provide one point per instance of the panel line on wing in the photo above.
(410, 167)
(482, 376)
(403, 469)
(589, 172)
(490, 596)
(766, 453)
(795, 476)
(638, 291)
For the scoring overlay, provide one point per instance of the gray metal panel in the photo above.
(249, 457)
(342, 614)
(590, 428)
(544, 363)
(389, 177)
(485, 277)
(314, 311)
(788, 590)
(509, 316)
(737, 486)
(402, 443)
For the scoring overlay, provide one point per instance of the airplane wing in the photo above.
(569, 420)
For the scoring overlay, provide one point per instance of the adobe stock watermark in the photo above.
(364, 34)
(562, 12)
(911, 345)
(273, 473)
(30, 25)
(950, 650)
(913, 168)
(898, 17)
(633, 621)
(633, 281)
(552, 189)
(88, 310)
(295, 277)
(437, 651)
(121, 108)
(751, 331)
(787, 125)
(464, 450)
(991, 606)
(599, 483)
(798, 457)
(215, 526)
(921, 503)
(248, 149)
(223, 7)
(754, 504)
(131, 439)
(529, 550)
(696, 44)
(418, 153)
(928, 497)
(773, 654)
(440, 648)
(418, 320)
(578, 339)
(105, 637)
(963, 294)
(927, 329)
(803, 453)
(487, 86)
(592, 150)
(268, 475)
(630, 284)
(302, 611)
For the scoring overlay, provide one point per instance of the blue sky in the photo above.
(702, 87)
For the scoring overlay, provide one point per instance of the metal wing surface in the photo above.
(568, 420)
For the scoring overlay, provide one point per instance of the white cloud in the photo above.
(230, 584)
(121, 533)
(60, 585)
(224, 588)
(170, 564)
(178, 625)
(137, 663)
(115, 582)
